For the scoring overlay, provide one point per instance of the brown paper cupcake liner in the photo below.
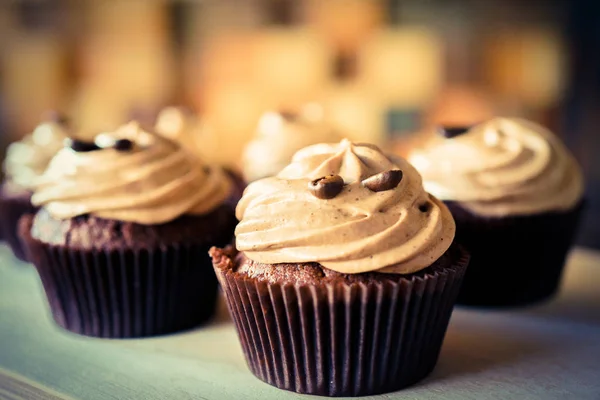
(125, 293)
(516, 260)
(11, 210)
(341, 339)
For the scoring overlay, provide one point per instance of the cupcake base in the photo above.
(374, 333)
(119, 290)
(14, 203)
(515, 260)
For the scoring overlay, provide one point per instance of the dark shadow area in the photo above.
(577, 300)
(222, 314)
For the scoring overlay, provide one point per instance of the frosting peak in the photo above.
(150, 181)
(398, 229)
(353, 162)
(501, 167)
(27, 159)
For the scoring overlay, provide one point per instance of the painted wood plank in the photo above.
(16, 387)
(547, 351)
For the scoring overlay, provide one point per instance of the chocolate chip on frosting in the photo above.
(355, 230)
(450, 132)
(502, 167)
(81, 146)
(383, 181)
(107, 184)
(326, 187)
(425, 207)
(123, 145)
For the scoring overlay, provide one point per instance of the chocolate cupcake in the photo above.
(517, 197)
(121, 238)
(281, 134)
(25, 162)
(345, 275)
(186, 128)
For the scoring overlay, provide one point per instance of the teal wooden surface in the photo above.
(548, 351)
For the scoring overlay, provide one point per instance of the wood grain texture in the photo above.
(16, 387)
(548, 351)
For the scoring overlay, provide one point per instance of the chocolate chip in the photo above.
(425, 207)
(450, 132)
(123, 145)
(81, 146)
(383, 181)
(326, 187)
(289, 115)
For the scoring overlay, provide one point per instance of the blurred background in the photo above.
(382, 69)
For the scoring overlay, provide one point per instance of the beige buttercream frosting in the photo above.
(187, 129)
(154, 182)
(505, 166)
(400, 230)
(27, 159)
(279, 136)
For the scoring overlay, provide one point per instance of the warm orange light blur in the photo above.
(459, 105)
(345, 23)
(125, 64)
(402, 66)
(232, 112)
(33, 78)
(290, 65)
(354, 114)
(527, 65)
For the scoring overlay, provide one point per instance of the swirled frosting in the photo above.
(279, 136)
(153, 182)
(186, 128)
(27, 159)
(401, 230)
(506, 166)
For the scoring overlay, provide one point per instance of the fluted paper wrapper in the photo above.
(11, 210)
(342, 339)
(515, 261)
(128, 293)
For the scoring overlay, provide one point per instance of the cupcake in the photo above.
(25, 162)
(279, 136)
(516, 196)
(344, 274)
(183, 126)
(121, 238)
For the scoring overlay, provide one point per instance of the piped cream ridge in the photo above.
(505, 166)
(27, 159)
(400, 230)
(154, 182)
